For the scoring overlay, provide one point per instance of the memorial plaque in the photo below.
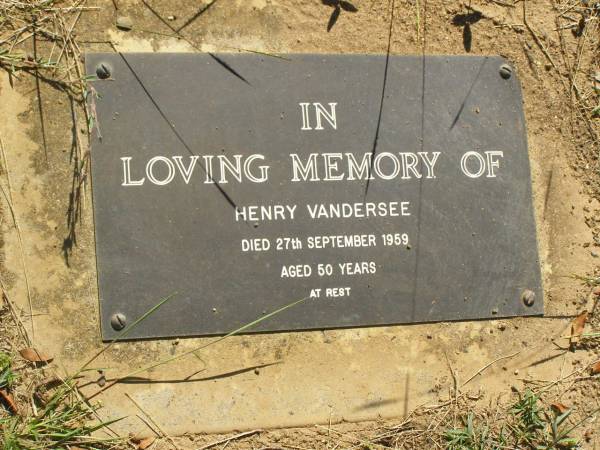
(386, 190)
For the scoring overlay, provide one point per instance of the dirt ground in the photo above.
(401, 377)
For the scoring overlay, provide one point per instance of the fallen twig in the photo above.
(229, 439)
(489, 365)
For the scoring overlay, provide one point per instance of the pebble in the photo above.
(102, 379)
(124, 23)
(516, 371)
(594, 253)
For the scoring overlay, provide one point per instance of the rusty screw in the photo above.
(505, 71)
(118, 321)
(528, 297)
(103, 71)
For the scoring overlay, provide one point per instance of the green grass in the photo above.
(527, 424)
(7, 376)
(470, 437)
(589, 281)
(66, 420)
(63, 422)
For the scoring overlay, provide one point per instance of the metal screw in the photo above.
(118, 321)
(103, 71)
(528, 297)
(505, 71)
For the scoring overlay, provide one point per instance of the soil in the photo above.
(349, 369)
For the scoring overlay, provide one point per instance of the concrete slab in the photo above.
(283, 379)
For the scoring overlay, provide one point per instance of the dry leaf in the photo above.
(8, 401)
(596, 368)
(142, 443)
(577, 327)
(559, 408)
(145, 443)
(33, 355)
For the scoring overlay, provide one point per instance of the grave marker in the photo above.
(244, 182)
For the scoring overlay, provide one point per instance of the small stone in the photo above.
(516, 372)
(124, 23)
(102, 378)
(171, 18)
(256, 371)
(495, 311)
(214, 310)
(502, 326)
(514, 388)
(594, 253)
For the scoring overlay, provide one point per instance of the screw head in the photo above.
(103, 71)
(528, 297)
(505, 71)
(118, 321)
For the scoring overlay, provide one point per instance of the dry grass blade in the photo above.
(151, 419)
(197, 349)
(126, 331)
(229, 439)
(9, 200)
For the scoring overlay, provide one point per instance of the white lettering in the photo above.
(320, 111)
(127, 181)
(465, 168)
(493, 163)
(170, 170)
(304, 170)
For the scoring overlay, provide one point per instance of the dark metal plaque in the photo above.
(388, 191)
